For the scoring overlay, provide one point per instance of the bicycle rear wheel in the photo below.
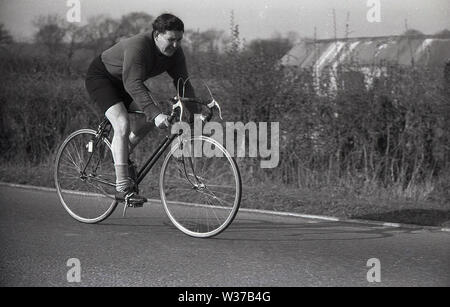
(85, 176)
(201, 195)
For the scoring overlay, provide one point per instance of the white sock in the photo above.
(122, 180)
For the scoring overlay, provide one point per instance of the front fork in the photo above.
(197, 184)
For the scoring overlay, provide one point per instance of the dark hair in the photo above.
(168, 22)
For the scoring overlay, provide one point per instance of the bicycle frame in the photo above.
(154, 157)
(103, 131)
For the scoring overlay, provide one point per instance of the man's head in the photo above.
(168, 30)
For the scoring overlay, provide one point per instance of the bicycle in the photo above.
(201, 195)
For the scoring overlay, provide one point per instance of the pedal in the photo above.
(129, 199)
(136, 205)
(131, 204)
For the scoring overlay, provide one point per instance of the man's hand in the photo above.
(161, 121)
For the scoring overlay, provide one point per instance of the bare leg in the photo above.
(118, 116)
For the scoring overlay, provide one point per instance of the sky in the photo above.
(256, 18)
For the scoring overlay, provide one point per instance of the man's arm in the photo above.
(133, 77)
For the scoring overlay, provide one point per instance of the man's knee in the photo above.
(122, 126)
(118, 116)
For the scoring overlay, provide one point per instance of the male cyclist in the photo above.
(115, 82)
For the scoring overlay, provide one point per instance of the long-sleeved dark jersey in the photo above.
(136, 59)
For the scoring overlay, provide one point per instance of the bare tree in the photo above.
(74, 38)
(206, 41)
(100, 33)
(50, 32)
(135, 23)
(5, 37)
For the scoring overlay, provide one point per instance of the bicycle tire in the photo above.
(189, 207)
(83, 196)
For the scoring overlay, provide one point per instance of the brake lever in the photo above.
(179, 104)
(213, 104)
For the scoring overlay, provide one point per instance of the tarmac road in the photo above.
(38, 238)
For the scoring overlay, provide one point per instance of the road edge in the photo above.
(270, 212)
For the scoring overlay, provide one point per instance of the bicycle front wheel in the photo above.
(85, 176)
(201, 193)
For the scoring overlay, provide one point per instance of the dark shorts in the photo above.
(104, 89)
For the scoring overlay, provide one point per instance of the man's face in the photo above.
(168, 42)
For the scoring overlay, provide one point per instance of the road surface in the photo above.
(38, 239)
